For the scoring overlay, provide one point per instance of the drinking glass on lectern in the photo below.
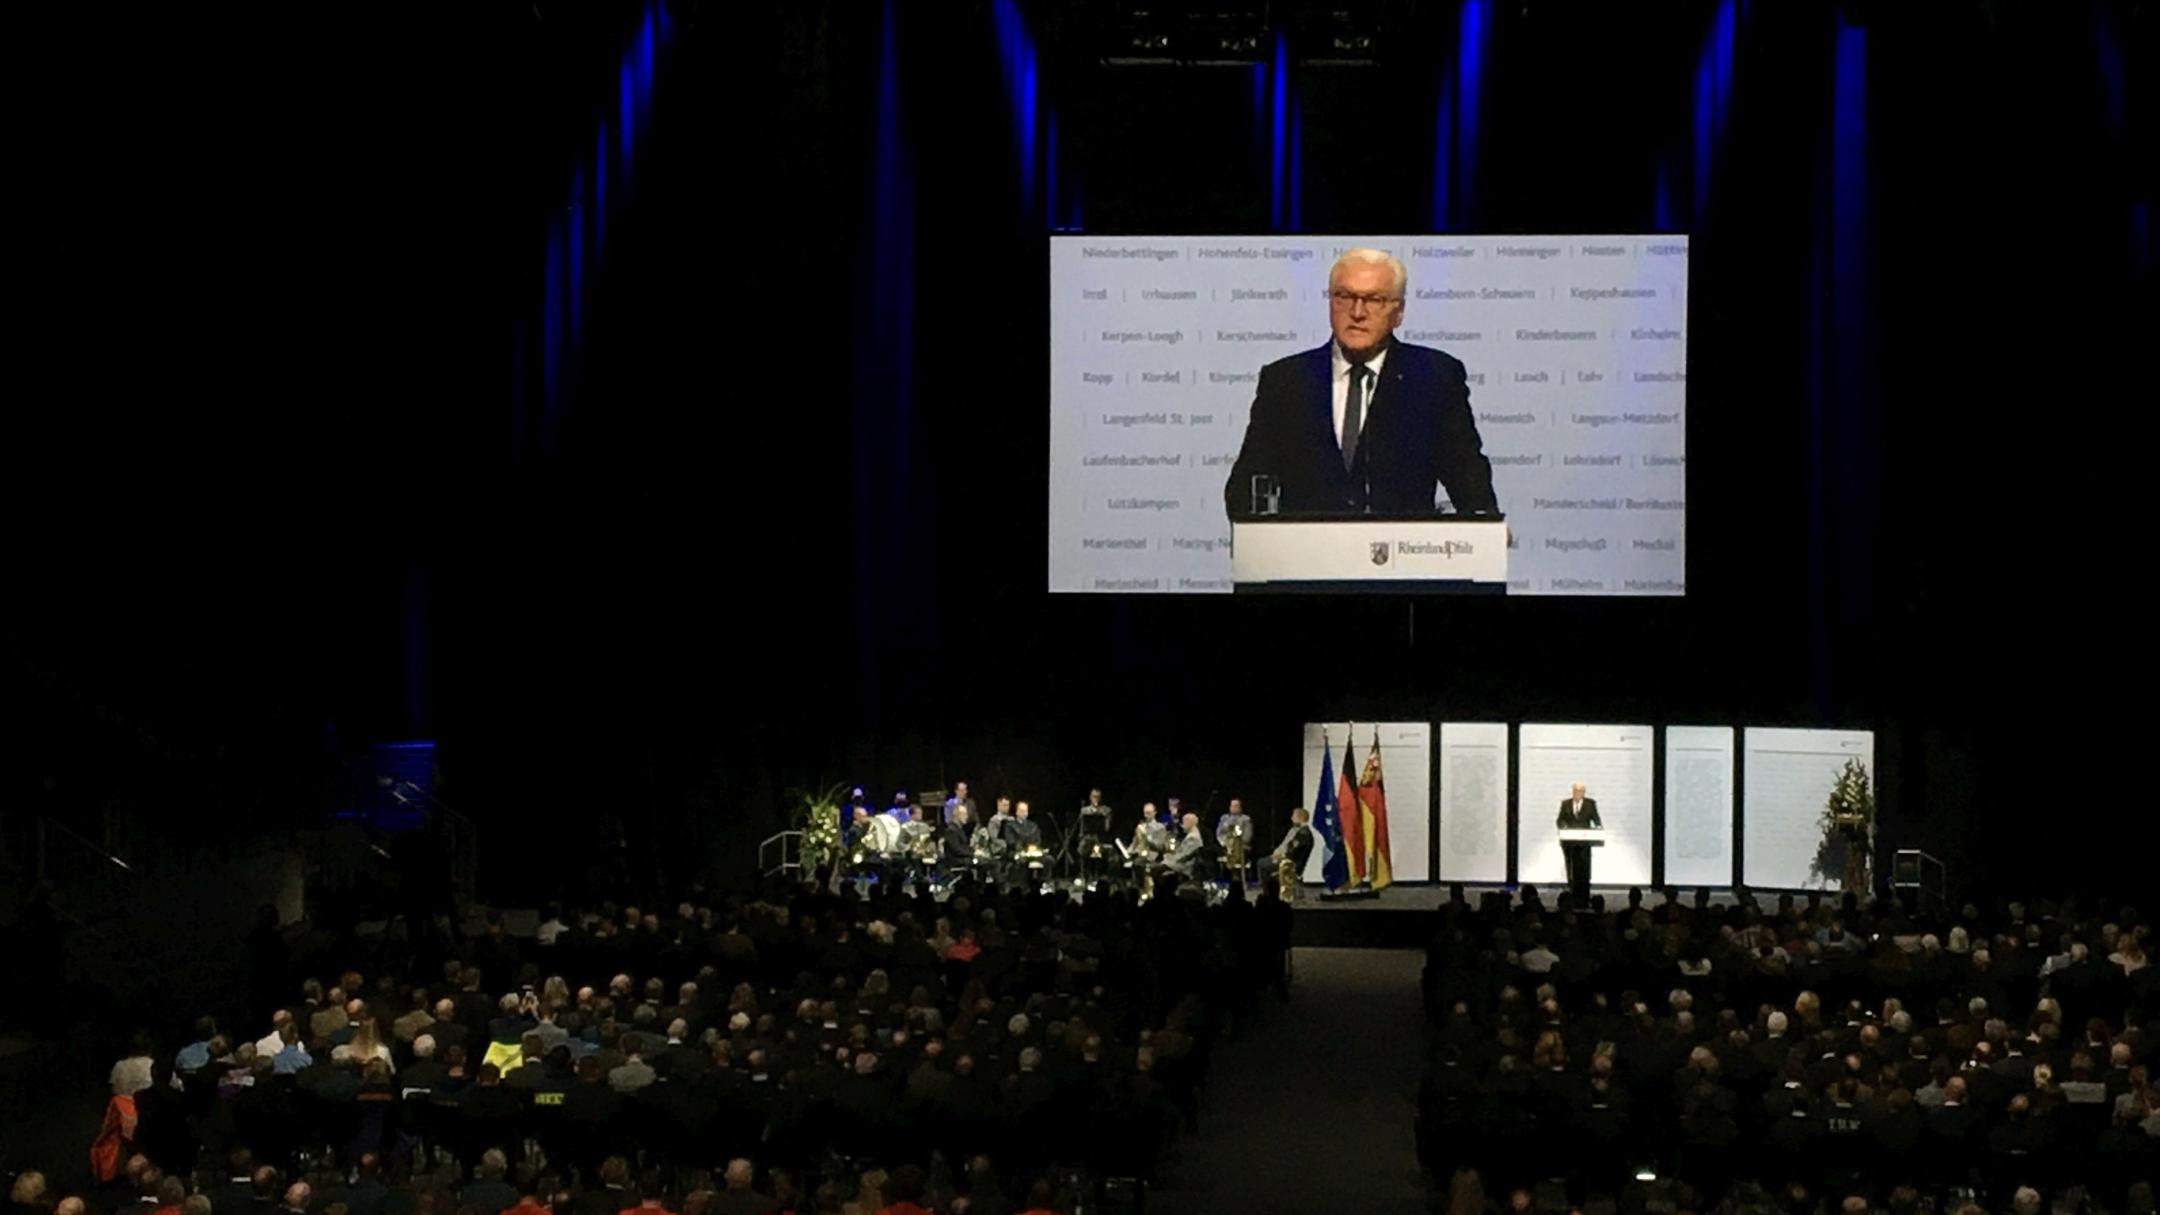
(1266, 495)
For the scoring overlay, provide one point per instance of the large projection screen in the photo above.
(1613, 763)
(1473, 801)
(1698, 805)
(1573, 349)
(1405, 768)
(1787, 775)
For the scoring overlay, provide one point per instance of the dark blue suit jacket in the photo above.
(1418, 434)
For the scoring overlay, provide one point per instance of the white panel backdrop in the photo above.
(1698, 805)
(1405, 766)
(1614, 764)
(1788, 775)
(1473, 801)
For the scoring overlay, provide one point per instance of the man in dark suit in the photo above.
(1364, 424)
(957, 839)
(1577, 813)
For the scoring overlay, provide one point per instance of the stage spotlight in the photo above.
(1141, 35)
(1226, 33)
(1195, 32)
(1337, 33)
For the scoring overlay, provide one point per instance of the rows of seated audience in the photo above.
(787, 1050)
(1822, 1056)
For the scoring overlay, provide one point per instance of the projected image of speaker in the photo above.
(1394, 414)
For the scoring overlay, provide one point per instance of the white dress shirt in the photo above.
(1340, 388)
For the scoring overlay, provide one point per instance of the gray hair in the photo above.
(1398, 274)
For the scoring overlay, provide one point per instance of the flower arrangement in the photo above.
(817, 816)
(1848, 827)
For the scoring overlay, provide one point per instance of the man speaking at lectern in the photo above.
(1364, 424)
(1578, 813)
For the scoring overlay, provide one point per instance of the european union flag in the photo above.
(1327, 821)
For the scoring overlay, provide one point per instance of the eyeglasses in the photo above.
(1350, 299)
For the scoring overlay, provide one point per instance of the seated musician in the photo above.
(1297, 842)
(1189, 848)
(858, 829)
(1296, 848)
(1000, 819)
(1023, 832)
(959, 834)
(880, 837)
(916, 836)
(1149, 838)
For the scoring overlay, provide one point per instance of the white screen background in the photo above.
(1788, 775)
(1406, 767)
(1614, 765)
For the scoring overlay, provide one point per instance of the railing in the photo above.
(460, 832)
(1914, 870)
(787, 847)
(88, 872)
(97, 894)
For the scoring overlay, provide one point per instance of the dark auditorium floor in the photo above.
(1313, 1110)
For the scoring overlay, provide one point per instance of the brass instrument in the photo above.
(920, 842)
(1286, 878)
(1140, 858)
(1234, 852)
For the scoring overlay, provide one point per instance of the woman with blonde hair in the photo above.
(2130, 952)
(366, 1044)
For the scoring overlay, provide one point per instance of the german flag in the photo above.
(1371, 813)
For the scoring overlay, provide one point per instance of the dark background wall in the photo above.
(296, 462)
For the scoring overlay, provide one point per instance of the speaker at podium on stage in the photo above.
(1581, 830)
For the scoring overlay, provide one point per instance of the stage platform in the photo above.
(1405, 915)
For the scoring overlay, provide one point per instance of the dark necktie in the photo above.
(1353, 417)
